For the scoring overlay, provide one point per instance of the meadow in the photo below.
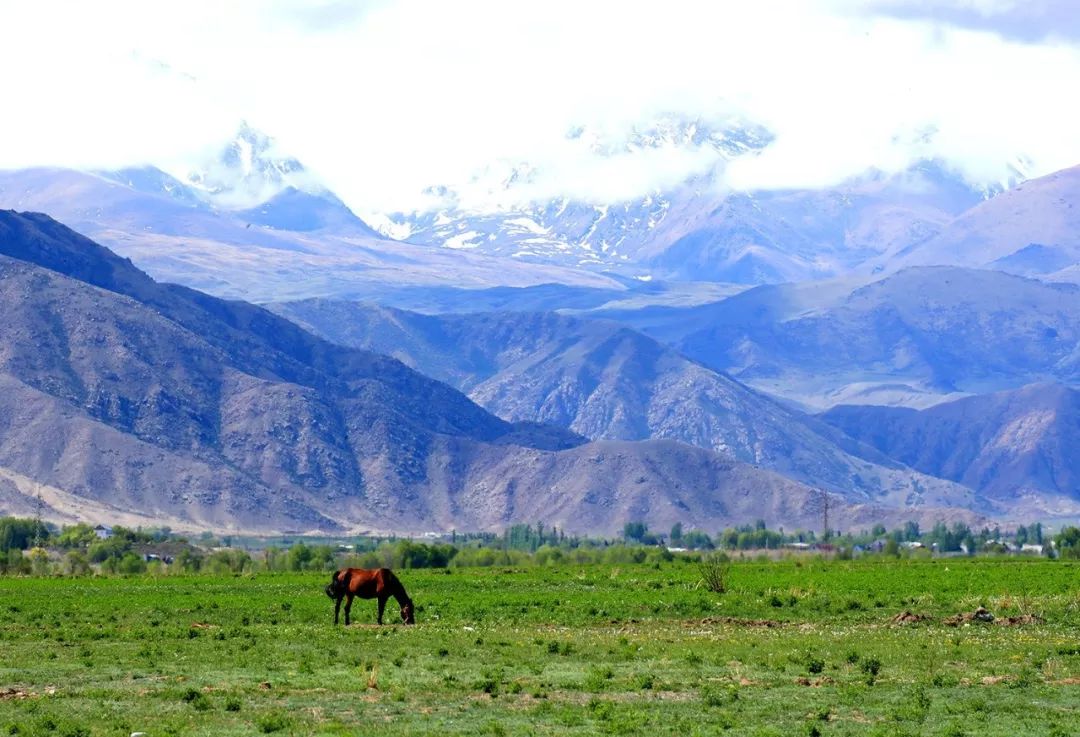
(793, 647)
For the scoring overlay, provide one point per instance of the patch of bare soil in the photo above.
(770, 623)
(906, 617)
(980, 615)
(1022, 619)
(814, 682)
(19, 693)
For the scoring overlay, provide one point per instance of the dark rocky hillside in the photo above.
(605, 381)
(127, 400)
(1016, 447)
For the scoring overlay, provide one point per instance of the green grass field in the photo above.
(793, 648)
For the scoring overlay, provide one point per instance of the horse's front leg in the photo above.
(348, 608)
(337, 608)
(382, 605)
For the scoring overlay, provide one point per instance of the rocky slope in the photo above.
(604, 381)
(1017, 445)
(214, 233)
(128, 400)
(915, 337)
(1032, 229)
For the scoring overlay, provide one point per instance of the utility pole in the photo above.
(38, 525)
(825, 534)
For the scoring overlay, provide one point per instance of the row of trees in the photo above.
(944, 538)
(28, 547)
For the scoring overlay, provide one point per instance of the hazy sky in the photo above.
(385, 99)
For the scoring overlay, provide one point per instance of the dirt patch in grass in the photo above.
(19, 693)
(1020, 620)
(906, 617)
(739, 622)
(982, 616)
(814, 682)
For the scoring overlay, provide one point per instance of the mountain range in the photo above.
(915, 337)
(1032, 229)
(127, 400)
(607, 382)
(694, 323)
(1017, 446)
(701, 229)
(251, 226)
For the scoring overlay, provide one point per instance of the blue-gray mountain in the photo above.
(294, 245)
(131, 401)
(1018, 447)
(912, 338)
(605, 381)
(254, 223)
(1032, 229)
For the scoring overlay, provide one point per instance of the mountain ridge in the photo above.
(1015, 444)
(605, 381)
(216, 414)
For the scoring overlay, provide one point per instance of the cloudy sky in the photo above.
(385, 99)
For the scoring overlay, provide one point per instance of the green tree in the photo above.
(76, 536)
(76, 563)
(676, 533)
(131, 563)
(697, 540)
(1068, 542)
(19, 534)
(299, 557)
(39, 562)
(635, 531)
(911, 531)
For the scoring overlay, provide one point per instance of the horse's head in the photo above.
(407, 615)
(336, 588)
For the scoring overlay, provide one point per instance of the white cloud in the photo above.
(386, 99)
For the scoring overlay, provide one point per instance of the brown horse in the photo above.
(369, 583)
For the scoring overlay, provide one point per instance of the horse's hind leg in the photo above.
(382, 605)
(348, 608)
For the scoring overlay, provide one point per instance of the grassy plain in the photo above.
(793, 648)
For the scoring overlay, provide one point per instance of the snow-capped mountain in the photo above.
(248, 171)
(698, 229)
(250, 179)
(576, 232)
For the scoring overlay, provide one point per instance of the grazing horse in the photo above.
(369, 583)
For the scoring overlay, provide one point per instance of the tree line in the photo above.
(32, 547)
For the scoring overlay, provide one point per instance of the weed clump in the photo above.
(598, 678)
(714, 572)
(196, 698)
(871, 667)
(273, 721)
